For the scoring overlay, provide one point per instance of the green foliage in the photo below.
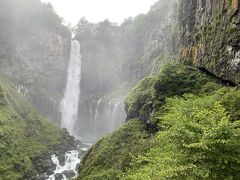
(176, 80)
(199, 141)
(24, 134)
(173, 80)
(230, 99)
(113, 153)
(139, 96)
(199, 137)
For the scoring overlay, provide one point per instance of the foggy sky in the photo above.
(98, 10)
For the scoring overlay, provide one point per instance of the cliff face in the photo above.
(115, 58)
(39, 69)
(210, 36)
(34, 53)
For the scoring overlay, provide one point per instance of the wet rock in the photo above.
(41, 177)
(58, 176)
(77, 166)
(69, 174)
(43, 164)
(61, 159)
(210, 37)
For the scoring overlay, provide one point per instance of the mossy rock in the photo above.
(141, 94)
(173, 80)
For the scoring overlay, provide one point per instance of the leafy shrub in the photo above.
(199, 141)
(178, 79)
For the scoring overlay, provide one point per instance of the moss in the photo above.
(173, 80)
(213, 36)
(176, 80)
(141, 94)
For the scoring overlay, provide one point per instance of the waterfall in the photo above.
(114, 114)
(109, 112)
(69, 105)
(96, 111)
(96, 118)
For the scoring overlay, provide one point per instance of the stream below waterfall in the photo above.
(72, 161)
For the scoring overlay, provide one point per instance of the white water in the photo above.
(109, 112)
(96, 117)
(71, 162)
(69, 105)
(72, 159)
(114, 114)
(22, 90)
(107, 116)
(96, 112)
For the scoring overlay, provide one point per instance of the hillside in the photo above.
(25, 136)
(182, 124)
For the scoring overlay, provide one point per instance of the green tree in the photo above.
(198, 142)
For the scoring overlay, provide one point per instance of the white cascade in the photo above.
(109, 115)
(72, 159)
(69, 105)
(96, 117)
(114, 114)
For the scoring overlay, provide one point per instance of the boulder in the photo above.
(69, 174)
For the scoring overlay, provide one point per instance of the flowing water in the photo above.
(114, 115)
(69, 109)
(96, 117)
(69, 105)
(72, 160)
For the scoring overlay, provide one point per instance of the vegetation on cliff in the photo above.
(24, 134)
(197, 134)
(210, 36)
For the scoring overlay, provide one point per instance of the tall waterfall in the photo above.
(69, 105)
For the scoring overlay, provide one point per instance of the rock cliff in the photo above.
(210, 36)
(34, 53)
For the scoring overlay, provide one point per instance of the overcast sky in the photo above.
(98, 10)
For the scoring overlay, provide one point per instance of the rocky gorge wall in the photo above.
(34, 53)
(116, 57)
(40, 70)
(210, 36)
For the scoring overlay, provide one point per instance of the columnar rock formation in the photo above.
(210, 36)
